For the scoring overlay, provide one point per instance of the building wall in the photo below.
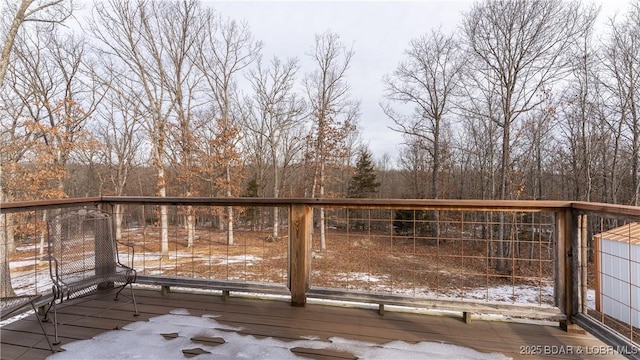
(619, 279)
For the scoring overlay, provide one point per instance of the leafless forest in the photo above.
(172, 98)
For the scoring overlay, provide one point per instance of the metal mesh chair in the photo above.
(11, 305)
(83, 257)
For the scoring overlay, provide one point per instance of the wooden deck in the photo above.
(88, 317)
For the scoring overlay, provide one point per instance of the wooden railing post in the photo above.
(583, 266)
(568, 267)
(300, 222)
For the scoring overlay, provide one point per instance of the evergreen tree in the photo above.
(363, 184)
(251, 214)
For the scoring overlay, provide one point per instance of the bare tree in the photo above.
(50, 12)
(118, 126)
(56, 98)
(333, 112)
(538, 143)
(48, 101)
(228, 47)
(580, 127)
(278, 119)
(519, 48)
(479, 105)
(426, 80)
(411, 160)
(622, 62)
(133, 40)
(182, 39)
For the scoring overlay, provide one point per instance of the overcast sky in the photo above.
(379, 32)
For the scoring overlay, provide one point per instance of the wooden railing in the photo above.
(561, 227)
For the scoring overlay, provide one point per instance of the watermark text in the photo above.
(578, 350)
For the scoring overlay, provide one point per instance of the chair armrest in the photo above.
(53, 271)
(133, 253)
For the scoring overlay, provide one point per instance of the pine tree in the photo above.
(251, 214)
(363, 184)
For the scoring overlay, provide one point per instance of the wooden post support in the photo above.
(568, 265)
(584, 263)
(225, 294)
(165, 289)
(381, 309)
(597, 270)
(466, 316)
(300, 222)
(560, 261)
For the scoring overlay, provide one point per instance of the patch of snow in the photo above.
(30, 282)
(310, 337)
(357, 276)
(144, 340)
(18, 264)
(147, 261)
(521, 294)
(238, 259)
(180, 312)
(8, 321)
(27, 247)
(591, 299)
(210, 316)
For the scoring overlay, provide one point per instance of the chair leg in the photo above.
(133, 296)
(42, 327)
(116, 298)
(56, 340)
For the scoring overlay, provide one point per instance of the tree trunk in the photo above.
(276, 194)
(229, 208)
(164, 215)
(504, 171)
(11, 36)
(635, 149)
(323, 240)
(191, 226)
(6, 289)
(118, 217)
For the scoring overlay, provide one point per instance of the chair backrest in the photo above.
(80, 245)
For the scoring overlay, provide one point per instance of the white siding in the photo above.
(619, 279)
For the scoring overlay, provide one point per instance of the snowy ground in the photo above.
(167, 336)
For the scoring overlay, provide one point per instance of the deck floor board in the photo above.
(98, 313)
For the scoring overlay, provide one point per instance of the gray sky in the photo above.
(378, 30)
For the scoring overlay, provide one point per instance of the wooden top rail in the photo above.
(440, 204)
(417, 204)
(612, 209)
(18, 206)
